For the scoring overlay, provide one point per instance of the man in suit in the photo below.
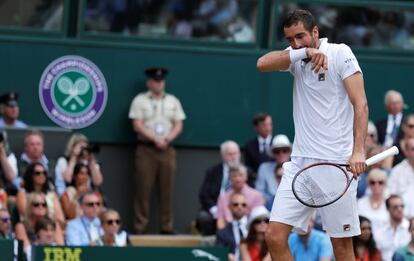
(255, 149)
(233, 233)
(389, 131)
(216, 182)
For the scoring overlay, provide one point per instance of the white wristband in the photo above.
(297, 55)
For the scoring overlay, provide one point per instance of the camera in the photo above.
(92, 148)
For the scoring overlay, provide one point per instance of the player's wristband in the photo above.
(297, 55)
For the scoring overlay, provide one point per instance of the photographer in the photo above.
(78, 150)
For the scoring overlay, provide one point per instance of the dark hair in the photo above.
(87, 193)
(387, 201)
(299, 15)
(28, 178)
(259, 118)
(251, 240)
(43, 223)
(369, 244)
(76, 170)
(411, 220)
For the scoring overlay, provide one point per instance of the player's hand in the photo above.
(318, 59)
(357, 164)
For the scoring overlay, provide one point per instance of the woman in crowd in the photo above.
(254, 247)
(373, 206)
(76, 152)
(365, 248)
(111, 224)
(408, 132)
(80, 184)
(36, 181)
(37, 208)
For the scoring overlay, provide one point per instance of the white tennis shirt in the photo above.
(322, 112)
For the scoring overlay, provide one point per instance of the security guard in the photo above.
(157, 118)
(10, 111)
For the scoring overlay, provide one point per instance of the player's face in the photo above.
(298, 37)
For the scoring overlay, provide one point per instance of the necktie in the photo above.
(394, 128)
(240, 231)
(264, 145)
(93, 232)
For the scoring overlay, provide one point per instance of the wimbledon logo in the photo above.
(73, 92)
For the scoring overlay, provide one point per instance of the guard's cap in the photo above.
(156, 73)
(9, 99)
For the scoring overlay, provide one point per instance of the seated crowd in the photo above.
(63, 204)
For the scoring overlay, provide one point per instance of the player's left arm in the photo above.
(354, 85)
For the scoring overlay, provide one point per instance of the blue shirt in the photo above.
(77, 231)
(266, 180)
(318, 246)
(17, 124)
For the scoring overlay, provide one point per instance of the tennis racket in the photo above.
(313, 185)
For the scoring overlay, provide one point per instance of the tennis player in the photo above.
(330, 114)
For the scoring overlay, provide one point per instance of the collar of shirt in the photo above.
(268, 139)
(94, 221)
(43, 160)
(398, 119)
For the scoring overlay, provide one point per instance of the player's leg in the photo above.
(277, 241)
(343, 249)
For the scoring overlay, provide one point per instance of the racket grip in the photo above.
(381, 156)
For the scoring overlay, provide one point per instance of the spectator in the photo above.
(402, 175)
(37, 208)
(33, 152)
(5, 224)
(7, 172)
(270, 173)
(157, 118)
(11, 111)
(234, 232)
(373, 206)
(36, 181)
(312, 246)
(254, 247)
(47, 233)
(111, 224)
(255, 150)
(80, 184)
(389, 131)
(86, 229)
(365, 248)
(216, 182)
(408, 133)
(409, 202)
(372, 136)
(77, 151)
(393, 234)
(238, 178)
(406, 253)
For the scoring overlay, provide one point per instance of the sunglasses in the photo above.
(379, 182)
(39, 204)
(236, 204)
(91, 204)
(5, 219)
(113, 221)
(261, 220)
(397, 206)
(38, 173)
(279, 151)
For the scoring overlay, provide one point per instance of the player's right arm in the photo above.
(281, 60)
(274, 61)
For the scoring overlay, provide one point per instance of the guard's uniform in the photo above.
(323, 117)
(158, 116)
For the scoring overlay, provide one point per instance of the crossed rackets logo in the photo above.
(73, 90)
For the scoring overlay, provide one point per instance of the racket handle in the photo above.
(381, 156)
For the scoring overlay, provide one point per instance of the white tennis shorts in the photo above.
(339, 219)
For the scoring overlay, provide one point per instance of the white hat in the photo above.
(279, 141)
(259, 211)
